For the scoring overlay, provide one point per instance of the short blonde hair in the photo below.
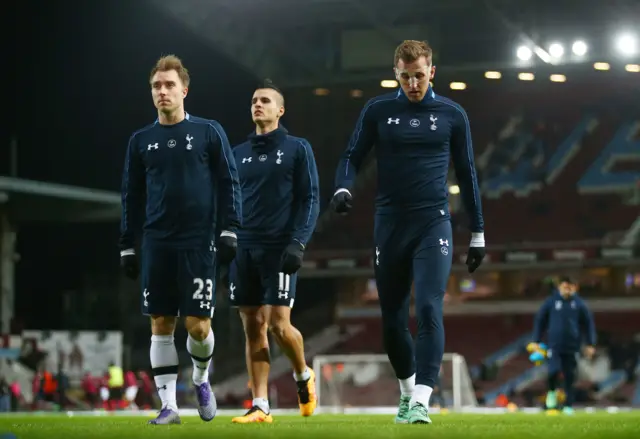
(411, 50)
(171, 62)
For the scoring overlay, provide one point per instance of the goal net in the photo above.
(367, 382)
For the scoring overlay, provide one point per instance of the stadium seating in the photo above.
(549, 161)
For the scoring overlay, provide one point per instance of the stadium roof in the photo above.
(321, 42)
(29, 200)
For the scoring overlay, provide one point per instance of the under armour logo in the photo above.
(145, 293)
(279, 160)
(161, 388)
(154, 146)
(444, 242)
(246, 160)
(232, 289)
(284, 282)
(189, 139)
(205, 305)
(391, 120)
(433, 119)
(377, 256)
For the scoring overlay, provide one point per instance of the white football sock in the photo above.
(407, 385)
(201, 353)
(422, 395)
(304, 376)
(262, 404)
(164, 364)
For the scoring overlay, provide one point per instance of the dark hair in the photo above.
(268, 83)
(567, 279)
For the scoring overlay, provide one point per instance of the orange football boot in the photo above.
(255, 415)
(307, 400)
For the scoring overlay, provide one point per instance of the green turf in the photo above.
(512, 426)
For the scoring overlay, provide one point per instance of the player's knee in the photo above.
(198, 327)
(279, 325)
(394, 321)
(163, 325)
(429, 313)
(255, 324)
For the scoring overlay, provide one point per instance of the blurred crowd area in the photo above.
(532, 285)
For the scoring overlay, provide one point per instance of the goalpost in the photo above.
(366, 383)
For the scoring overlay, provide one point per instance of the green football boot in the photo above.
(403, 410)
(419, 414)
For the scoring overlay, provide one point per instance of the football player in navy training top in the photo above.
(567, 322)
(180, 185)
(416, 132)
(280, 199)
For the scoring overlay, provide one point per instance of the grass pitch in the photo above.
(512, 426)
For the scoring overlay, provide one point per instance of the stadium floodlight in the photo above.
(321, 91)
(524, 53)
(558, 78)
(579, 48)
(556, 50)
(526, 76)
(389, 83)
(627, 44)
(458, 86)
(355, 93)
(602, 66)
(492, 75)
(632, 68)
(454, 189)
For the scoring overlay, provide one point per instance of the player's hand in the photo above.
(227, 246)
(342, 201)
(476, 252)
(589, 352)
(292, 258)
(129, 264)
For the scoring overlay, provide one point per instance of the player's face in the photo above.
(566, 289)
(168, 91)
(414, 77)
(266, 106)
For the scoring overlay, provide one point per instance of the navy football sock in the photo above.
(551, 381)
(569, 378)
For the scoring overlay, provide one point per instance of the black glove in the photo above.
(476, 252)
(227, 246)
(474, 258)
(129, 264)
(342, 202)
(292, 258)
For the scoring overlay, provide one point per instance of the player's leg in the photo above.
(281, 295)
(160, 301)
(130, 395)
(196, 274)
(569, 365)
(431, 268)
(247, 294)
(554, 366)
(392, 267)
(255, 323)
